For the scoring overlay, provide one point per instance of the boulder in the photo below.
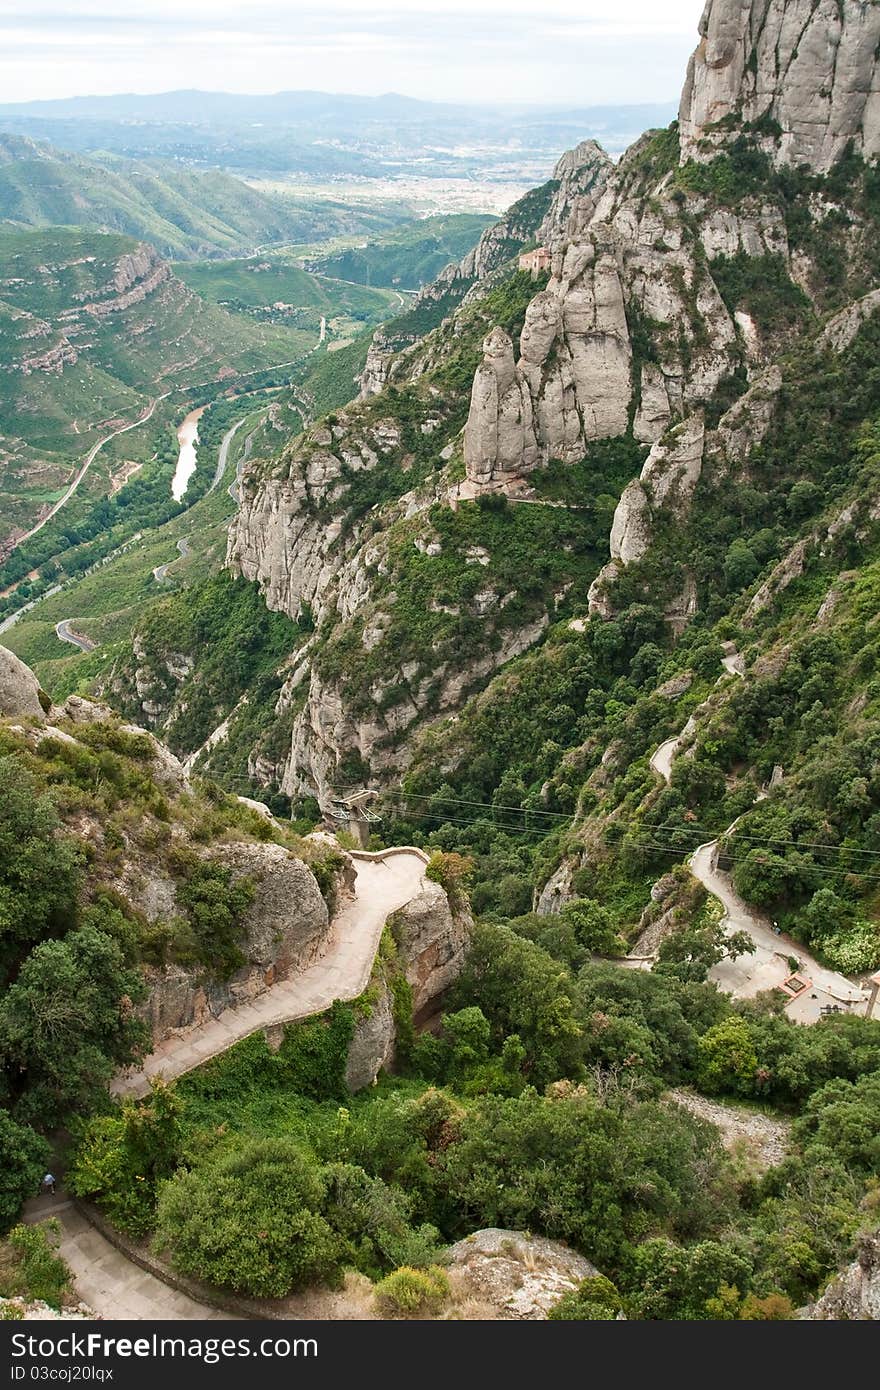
(516, 1276)
(20, 693)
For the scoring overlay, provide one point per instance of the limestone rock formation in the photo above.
(371, 1049)
(515, 1275)
(432, 942)
(286, 928)
(19, 689)
(499, 436)
(667, 481)
(806, 71)
(854, 1296)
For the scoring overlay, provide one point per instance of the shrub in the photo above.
(594, 1300)
(251, 1221)
(453, 872)
(29, 1267)
(409, 1291)
(121, 1159)
(23, 1158)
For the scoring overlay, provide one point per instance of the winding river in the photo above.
(187, 438)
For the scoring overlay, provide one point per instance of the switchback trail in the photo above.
(64, 632)
(87, 463)
(769, 966)
(384, 883)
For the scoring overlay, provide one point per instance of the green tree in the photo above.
(594, 1300)
(727, 1060)
(251, 1221)
(120, 1159)
(38, 867)
(670, 1281)
(23, 1159)
(691, 952)
(592, 926)
(67, 1022)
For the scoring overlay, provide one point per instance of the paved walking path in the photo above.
(383, 884)
(768, 967)
(111, 1284)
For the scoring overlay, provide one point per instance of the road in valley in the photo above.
(769, 966)
(65, 633)
(87, 463)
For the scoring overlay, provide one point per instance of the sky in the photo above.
(572, 52)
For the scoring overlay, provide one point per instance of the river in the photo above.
(187, 438)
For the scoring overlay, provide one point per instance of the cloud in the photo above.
(515, 50)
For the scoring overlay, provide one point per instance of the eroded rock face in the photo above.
(667, 481)
(371, 1049)
(432, 942)
(517, 1275)
(854, 1296)
(809, 66)
(19, 689)
(499, 437)
(629, 266)
(286, 928)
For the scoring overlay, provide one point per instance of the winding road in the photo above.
(384, 882)
(65, 633)
(769, 966)
(111, 1284)
(160, 573)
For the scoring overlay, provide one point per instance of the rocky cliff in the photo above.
(854, 1296)
(678, 279)
(146, 863)
(803, 75)
(431, 940)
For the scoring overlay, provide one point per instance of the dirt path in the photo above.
(111, 1284)
(342, 972)
(769, 966)
(87, 463)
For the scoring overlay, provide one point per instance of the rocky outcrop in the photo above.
(20, 693)
(286, 927)
(841, 330)
(515, 1275)
(854, 1296)
(806, 73)
(542, 216)
(432, 942)
(371, 1049)
(666, 484)
(634, 267)
(499, 437)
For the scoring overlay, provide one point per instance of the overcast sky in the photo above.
(569, 51)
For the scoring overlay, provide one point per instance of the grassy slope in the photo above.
(181, 212)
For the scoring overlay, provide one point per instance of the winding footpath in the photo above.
(769, 966)
(106, 1279)
(384, 882)
(160, 573)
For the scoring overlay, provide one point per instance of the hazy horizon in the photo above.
(567, 53)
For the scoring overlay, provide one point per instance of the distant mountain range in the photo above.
(318, 134)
